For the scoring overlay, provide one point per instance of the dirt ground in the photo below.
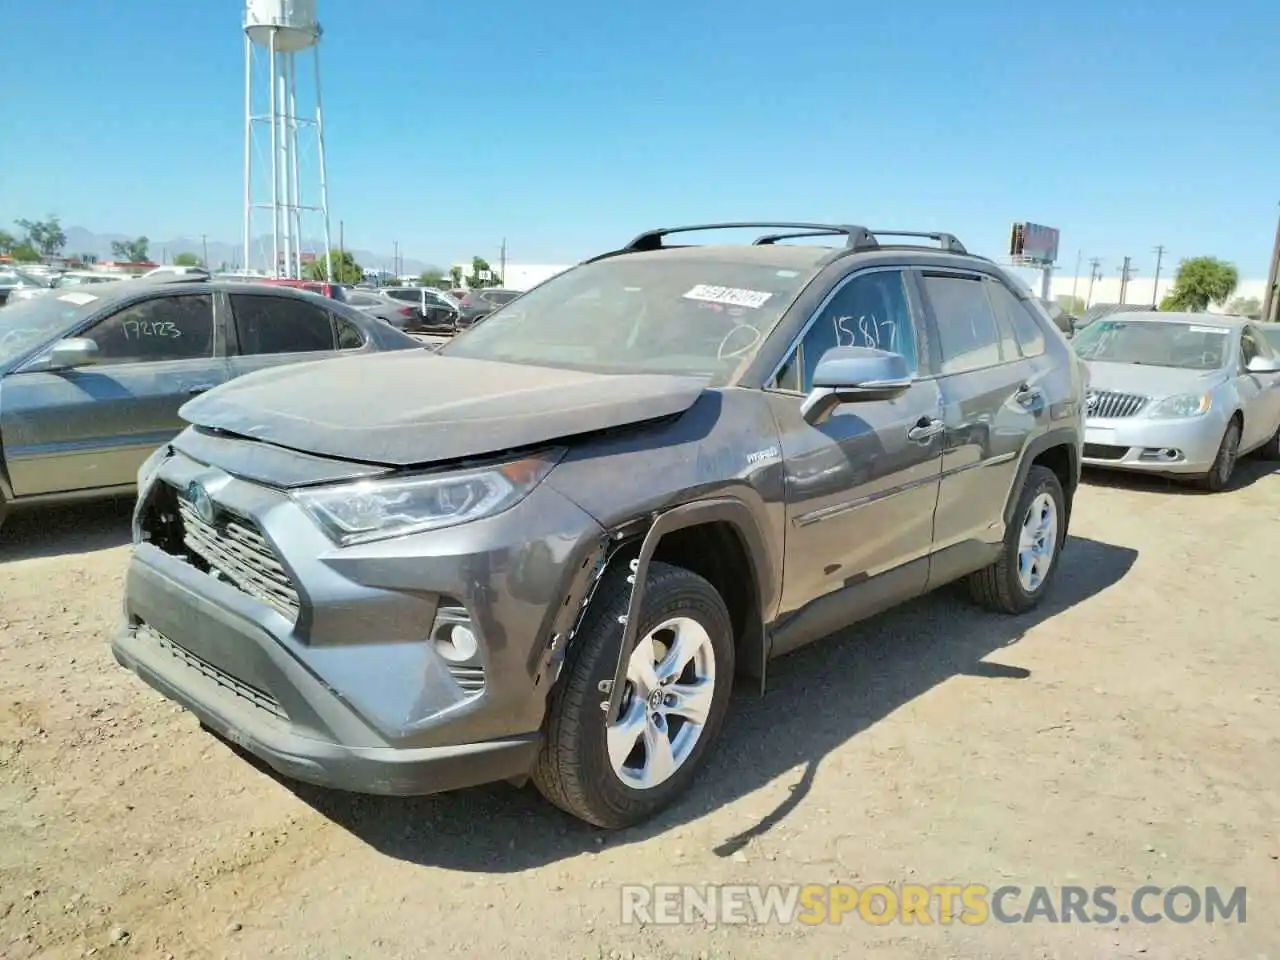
(1125, 734)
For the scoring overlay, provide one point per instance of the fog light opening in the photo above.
(1166, 454)
(456, 643)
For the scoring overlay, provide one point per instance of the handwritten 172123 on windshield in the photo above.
(146, 329)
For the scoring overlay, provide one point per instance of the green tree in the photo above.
(1245, 306)
(432, 277)
(1199, 282)
(7, 241)
(480, 266)
(187, 260)
(46, 236)
(1071, 305)
(345, 268)
(455, 276)
(25, 253)
(131, 251)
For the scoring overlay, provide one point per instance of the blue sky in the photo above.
(567, 127)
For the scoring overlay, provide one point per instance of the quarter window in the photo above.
(968, 336)
(349, 335)
(870, 310)
(266, 324)
(1018, 315)
(164, 328)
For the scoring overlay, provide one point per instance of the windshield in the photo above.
(1158, 343)
(17, 276)
(633, 315)
(28, 323)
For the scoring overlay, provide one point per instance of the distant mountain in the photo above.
(82, 241)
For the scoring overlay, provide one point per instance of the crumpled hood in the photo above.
(1147, 381)
(413, 407)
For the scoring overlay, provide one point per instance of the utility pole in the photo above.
(1124, 279)
(1075, 279)
(502, 261)
(1155, 286)
(395, 260)
(204, 243)
(1271, 298)
(1095, 273)
(342, 240)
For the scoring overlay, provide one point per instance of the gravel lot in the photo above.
(1123, 735)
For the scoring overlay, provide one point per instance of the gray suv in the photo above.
(546, 550)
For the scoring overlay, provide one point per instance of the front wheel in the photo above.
(1017, 581)
(1224, 464)
(678, 682)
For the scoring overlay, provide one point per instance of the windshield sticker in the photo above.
(1221, 330)
(731, 296)
(79, 299)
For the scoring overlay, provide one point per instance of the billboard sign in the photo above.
(1033, 243)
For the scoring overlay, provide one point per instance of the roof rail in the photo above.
(947, 241)
(772, 238)
(856, 238)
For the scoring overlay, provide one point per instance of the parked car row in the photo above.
(92, 377)
(544, 550)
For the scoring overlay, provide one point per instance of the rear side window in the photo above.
(350, 336)
(968, 335)
(1018, 317)
(163, 328)
(266, 324)
(408, 296)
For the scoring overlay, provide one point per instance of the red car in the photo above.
(333, 291)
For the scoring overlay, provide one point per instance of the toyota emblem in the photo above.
(200, 501)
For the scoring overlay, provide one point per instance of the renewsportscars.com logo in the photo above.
(972, 904)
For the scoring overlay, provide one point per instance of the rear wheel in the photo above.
(1224, 464)
(1017, 581)
(677, 690)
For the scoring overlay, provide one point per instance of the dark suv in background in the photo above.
(546, 550)
(478, 304)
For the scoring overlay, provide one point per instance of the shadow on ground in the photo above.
(818, 699)
(1249, 470)
(66, 530)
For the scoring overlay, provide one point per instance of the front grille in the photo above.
(1104, 451)
(259, 698)
(237, 552)
(1108, 405)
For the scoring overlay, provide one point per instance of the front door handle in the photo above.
(200, 388)
(925, 429)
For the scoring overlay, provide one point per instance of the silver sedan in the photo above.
(1180, 394)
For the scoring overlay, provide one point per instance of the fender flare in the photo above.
(728, 509)
(1058, 437)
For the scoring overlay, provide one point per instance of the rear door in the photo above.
(92, 427)
(992, 406)
(269, 331)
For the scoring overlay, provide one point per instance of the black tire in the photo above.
(997, 586)
(1224, 464)
(573, 769)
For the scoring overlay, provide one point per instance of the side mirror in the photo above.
(854, 375)
(72, 352)
(1264, 365)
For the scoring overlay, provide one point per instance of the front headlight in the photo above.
(1184, 405)
(377, 509)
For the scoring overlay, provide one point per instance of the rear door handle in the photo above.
(925, 429)
(199, 388)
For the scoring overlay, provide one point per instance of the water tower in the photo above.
(277, 33)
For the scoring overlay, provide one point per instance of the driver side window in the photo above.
(869, 310)
(1249, 349)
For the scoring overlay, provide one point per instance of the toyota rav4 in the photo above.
(546, 550)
